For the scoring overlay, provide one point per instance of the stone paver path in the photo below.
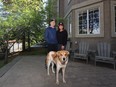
(29, 71)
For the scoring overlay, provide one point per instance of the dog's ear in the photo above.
(67, 53)
(54, 55)
(58, 53)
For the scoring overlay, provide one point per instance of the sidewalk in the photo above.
(29, 71)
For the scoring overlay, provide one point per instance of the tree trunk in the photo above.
(28, 40)
(23, 39)
(6, 53)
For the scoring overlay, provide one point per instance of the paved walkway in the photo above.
(29, 71)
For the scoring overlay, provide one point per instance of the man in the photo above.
(50, 36)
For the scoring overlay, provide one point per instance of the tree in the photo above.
(22, 20)
(25, 16)
(51, 11)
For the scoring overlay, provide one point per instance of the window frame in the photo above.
(69, 25)
(84, 17)
(69, 1)
(101, 22)
(113, 20)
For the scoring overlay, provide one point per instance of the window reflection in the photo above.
(83, 23)
(94, 21)
(89, 22)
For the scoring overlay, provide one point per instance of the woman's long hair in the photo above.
(60, 24)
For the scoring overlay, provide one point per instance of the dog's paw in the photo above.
(57, 82)
(64, 81)
(53, 71)
(48, 74)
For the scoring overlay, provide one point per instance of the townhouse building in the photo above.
(92, 21)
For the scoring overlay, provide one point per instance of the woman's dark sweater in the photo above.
(62, 37)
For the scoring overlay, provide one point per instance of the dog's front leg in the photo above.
(57, 74)
(63, 72)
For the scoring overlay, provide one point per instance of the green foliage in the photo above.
(51, 11)
(24, 16)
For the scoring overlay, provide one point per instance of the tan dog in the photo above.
(60, 58)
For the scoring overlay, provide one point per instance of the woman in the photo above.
(61, 36)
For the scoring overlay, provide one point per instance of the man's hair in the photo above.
(52, 20)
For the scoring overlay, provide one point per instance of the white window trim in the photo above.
(69, 1)
(69, 30)
(113, 33)
(100, 6)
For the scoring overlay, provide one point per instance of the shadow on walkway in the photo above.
(29, 71)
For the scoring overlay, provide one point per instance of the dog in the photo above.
(60, 58)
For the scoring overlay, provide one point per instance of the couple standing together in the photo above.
(56, 39)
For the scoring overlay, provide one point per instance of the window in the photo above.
(83, 23)
(113, 18)
(94, 27)
(89, 22)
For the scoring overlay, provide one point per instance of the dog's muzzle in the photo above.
(64, 60)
